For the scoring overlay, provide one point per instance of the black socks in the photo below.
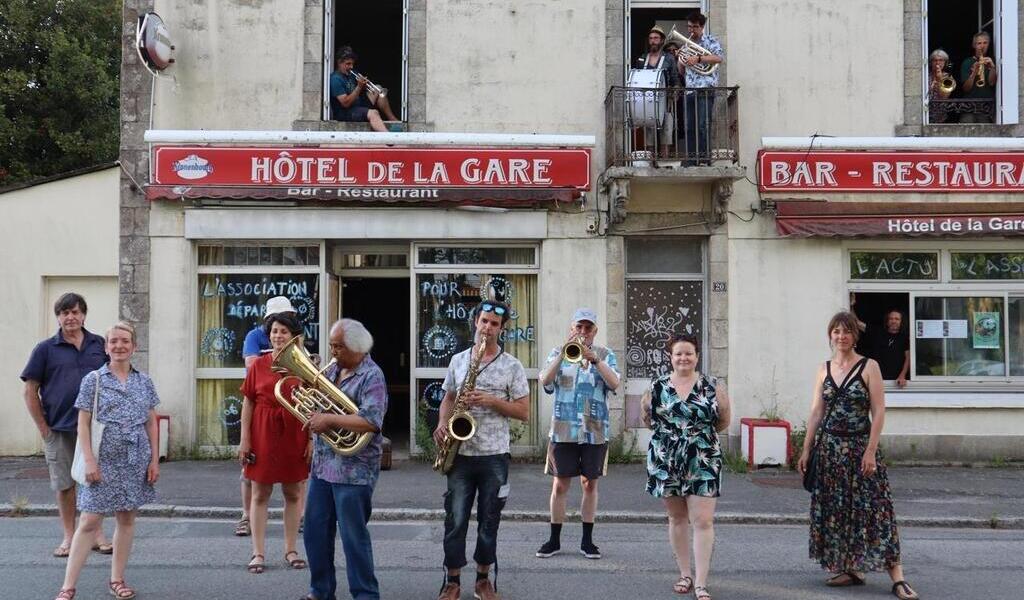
(556, 533)
(588, 534)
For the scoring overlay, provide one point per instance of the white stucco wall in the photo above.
(541, 68)
(67, 229)
(238, 65)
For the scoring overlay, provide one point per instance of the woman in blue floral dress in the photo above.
(853, 526)
(686, 409)
(121, 478)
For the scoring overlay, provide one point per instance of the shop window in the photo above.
(376, 31)
(997, 266)
(894, 266)
(1015, 311)
(234, 282)
(949, 28)
(665, 291)
(449, 285)
(960, 336)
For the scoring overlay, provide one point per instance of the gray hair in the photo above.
(983, 34)
(939, 53)
(357, 338)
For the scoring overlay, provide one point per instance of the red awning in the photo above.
(518, 198)
(874, 219)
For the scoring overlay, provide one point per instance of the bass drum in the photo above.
(645, 98)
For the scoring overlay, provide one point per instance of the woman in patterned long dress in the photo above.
(122, 476)
(853, 527)
(280, 448)
(686, 410)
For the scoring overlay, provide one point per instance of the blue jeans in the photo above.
(484, 478)
(698, 107)
(328, 507)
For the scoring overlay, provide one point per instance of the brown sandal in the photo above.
(256, 564)
(68, 594)
(296, 563)
(701, 592)
(683, 586)
(121, 591)
(62, 551)
(902, 590)
(851, 579)
(242, 528)
(107, 548)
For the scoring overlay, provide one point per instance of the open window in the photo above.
(641, 15)
(378, 32)
(950, 25)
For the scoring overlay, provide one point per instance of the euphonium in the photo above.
(688, 48)
(316, 393)
(461, 425)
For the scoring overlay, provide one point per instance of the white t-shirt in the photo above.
(503, 377)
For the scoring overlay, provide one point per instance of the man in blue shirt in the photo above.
(256, 343)
(579, 427)
(351, 101)
(52, 377)
(699, 105)
(341, 487)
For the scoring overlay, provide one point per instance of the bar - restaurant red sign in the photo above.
(796, 171)
(444, 168)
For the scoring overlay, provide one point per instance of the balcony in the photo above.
(673, 132)
(671, 135)
(953, 110)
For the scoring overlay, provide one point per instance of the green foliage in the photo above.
(424, 437)
(735, 463)
(621, 452)
(796, 443)
(60, 65)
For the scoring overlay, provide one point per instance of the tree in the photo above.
(60, 64)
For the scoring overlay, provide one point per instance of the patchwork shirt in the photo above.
(581, 399)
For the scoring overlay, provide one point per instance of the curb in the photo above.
(528, 516)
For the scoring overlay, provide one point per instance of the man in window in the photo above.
(699, 104)
(657, 58)
(979, 75)
(891, 349)
(350, 98)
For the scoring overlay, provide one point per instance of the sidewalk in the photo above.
(924, 496)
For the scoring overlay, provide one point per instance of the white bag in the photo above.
(96, 433)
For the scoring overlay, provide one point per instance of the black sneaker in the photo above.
(589, 550)
(549, 549)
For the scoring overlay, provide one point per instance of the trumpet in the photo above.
(373, 90)
(573, 350)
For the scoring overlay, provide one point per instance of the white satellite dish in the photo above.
(153, 43)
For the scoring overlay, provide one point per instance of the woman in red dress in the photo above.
(274, 448)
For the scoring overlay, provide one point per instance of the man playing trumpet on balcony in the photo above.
(480, 470)
(350, 98)
(580, 375)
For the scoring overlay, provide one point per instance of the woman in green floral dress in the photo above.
(853, 526)
(686, 409)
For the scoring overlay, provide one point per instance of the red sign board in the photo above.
(813, 171)
(377, 168)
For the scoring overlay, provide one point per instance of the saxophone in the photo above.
(461, 425)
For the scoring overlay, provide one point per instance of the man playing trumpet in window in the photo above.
(580, 375)
(354, 97)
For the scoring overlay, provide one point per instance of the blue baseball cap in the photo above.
(584, 314)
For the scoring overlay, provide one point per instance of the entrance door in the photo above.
(382, 305)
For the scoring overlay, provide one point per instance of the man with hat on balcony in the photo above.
(581, 382)
(657, 58)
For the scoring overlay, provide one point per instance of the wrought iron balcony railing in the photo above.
(961, 110)
(672, 127)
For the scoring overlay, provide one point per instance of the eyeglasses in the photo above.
(493, 308)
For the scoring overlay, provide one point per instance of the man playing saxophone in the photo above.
(341, 487)
(580, 375)
(480, 470)
(978, 75)
(349, 98)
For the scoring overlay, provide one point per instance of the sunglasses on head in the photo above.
(493, 308)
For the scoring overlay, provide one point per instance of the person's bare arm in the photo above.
(34, 405)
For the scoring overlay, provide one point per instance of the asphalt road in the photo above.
(178, 558)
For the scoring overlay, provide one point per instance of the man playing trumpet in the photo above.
(480, 471)
(580, 375)
(350, 99)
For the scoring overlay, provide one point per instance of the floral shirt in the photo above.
(695, 79)
(581, 400)
(367, 388)
(505, 378)
(122, 405)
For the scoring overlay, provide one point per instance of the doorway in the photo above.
(382, 305)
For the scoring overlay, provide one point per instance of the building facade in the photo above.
(221, 206)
